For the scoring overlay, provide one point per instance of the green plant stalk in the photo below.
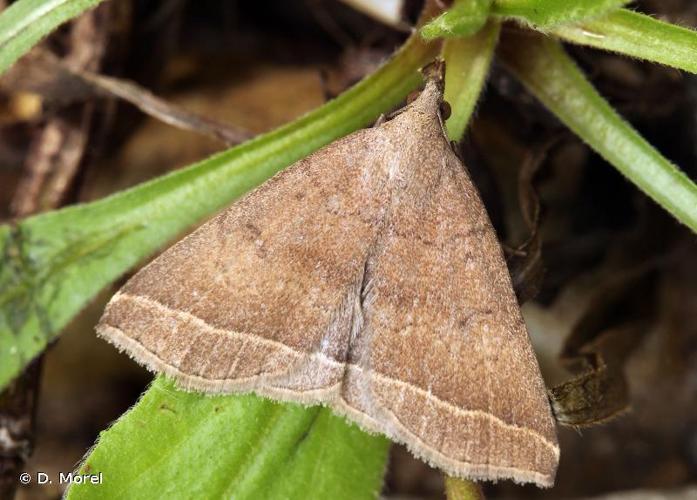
(553, 77)
(467, 62)
(56, 262)
(636, 35)
(174, 444)
(462, 489)
(464, 18)
(26, 22)
(548, 13)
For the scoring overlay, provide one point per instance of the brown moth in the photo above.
(366, 277)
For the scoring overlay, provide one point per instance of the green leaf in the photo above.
(174, 444)
(25, 22)
(54, 263)
(637, 35)
(553, 77)
(464, 18)
(548, 13)
(467, 62)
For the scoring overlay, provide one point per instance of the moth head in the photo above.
(435, 72)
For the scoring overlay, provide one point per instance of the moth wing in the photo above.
(444, 361)
(265, 288)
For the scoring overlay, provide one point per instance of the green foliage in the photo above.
(548, 13)
(25, 22)
(174, 444)
(637, 35)
(464, 18)
(553, 77)
(56, 262)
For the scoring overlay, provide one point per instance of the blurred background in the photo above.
(604, 260)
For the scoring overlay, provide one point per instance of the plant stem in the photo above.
(464, 18)
(553, 77)
(462, 489)
(636, 35)
(467, 62)
(547, 13)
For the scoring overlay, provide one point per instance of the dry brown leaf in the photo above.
(600, 343)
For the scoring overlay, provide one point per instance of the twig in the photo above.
(158, 108)
(64, 81)
(462, 489)
(39, 162)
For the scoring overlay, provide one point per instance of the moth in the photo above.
(366, 277)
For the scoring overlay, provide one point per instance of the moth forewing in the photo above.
(366, 277)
